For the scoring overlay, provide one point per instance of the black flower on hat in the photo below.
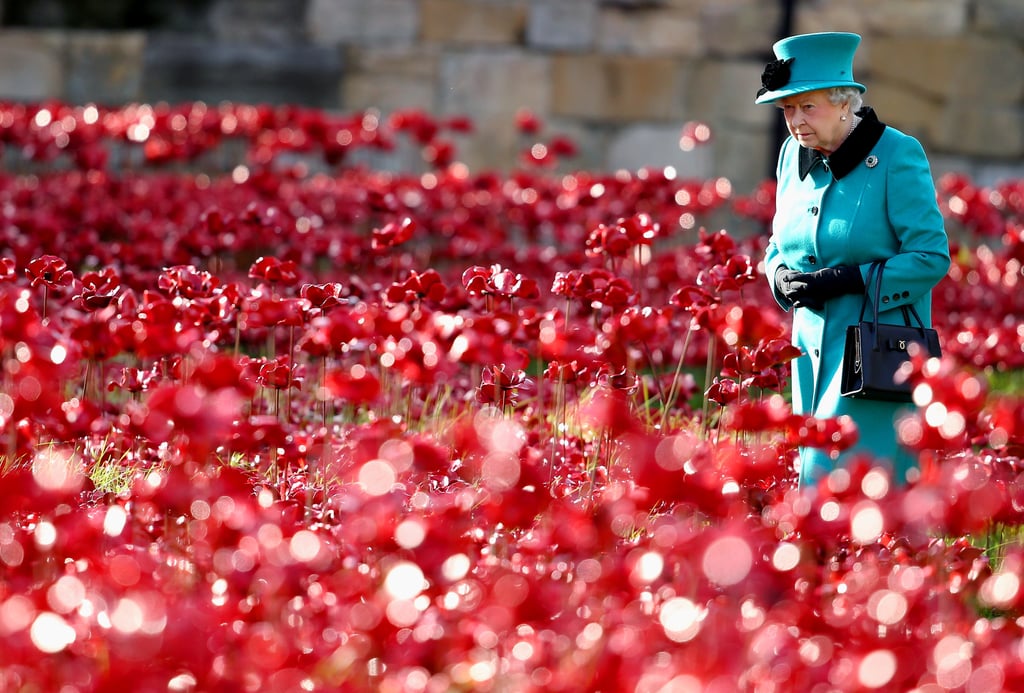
(775, 75)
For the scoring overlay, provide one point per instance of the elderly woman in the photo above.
(851, 191)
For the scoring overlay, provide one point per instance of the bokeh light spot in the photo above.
(866, 522)
(66, 594)
(304, 546)
(986, 678)
(376, 477)
(589, 570)
(115, 520)
(404, 581)
(124, 570)
(648, 568)
(681, 619)
(829, 511)
(402, 612)
(935, 414)
(57, 470)
(909, 431)
(45, 535)
(1000, 590)
(200, 509)
(522, 651)
(786, 556)
(50, 633)
(727, 561)
(875, 484)
(410, 533)
(16, 614)
(500, 471)
(952, 659)
(887, 607)
(816, 650)
(877, 669)
(182, 683)
(127, 616)
(455, 567)
(58, 354)
(6, 406)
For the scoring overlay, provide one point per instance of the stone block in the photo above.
(178, 67)
(591, 144)
(363, 21)
(562, 25)
(691, 6)
(494, 144)
(620, 88)
(391, 78)
(742, 155)
(908, 110)
(830, 16)
(265, 21)
(487, 82)
(886, 17)
(637, 146)
(954, 69)
(105, 67)
(916, 17)
(1000, 17)
(422, 62)
(981, 130)
(33, 64)
(739, 27)
(468, 22)
(650, 32)
(723, 91)
(490, 87)
(387, 94)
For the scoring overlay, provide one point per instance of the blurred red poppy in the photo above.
(355, 385)
(49, 271)
(275, 271)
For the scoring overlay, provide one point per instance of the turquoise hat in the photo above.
(808, 62)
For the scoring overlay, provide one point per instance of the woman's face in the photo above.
(815, 121)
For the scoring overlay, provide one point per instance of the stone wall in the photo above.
(620, 77)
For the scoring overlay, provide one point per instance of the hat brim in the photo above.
(800, 87)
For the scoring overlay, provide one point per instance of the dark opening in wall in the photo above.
(100, 14)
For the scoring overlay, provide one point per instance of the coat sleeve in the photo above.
(772, 257)
(772, 262)
(922, 256)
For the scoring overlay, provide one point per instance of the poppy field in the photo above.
(276, 418)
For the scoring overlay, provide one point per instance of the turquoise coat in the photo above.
(873, 198)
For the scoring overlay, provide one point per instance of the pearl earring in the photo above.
(842, 117)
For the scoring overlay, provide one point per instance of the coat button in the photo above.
(811, 259)
(906, 294)
(817, 352)
(885, 299)
(896, 296)
(813, 211)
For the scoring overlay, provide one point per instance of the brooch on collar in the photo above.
(871, 161)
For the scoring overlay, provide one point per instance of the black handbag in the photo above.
(875, 351)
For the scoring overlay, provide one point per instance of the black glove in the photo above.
(813, 289)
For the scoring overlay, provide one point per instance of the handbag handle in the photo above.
(874, 282)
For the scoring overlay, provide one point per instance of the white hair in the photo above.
(850, 95)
